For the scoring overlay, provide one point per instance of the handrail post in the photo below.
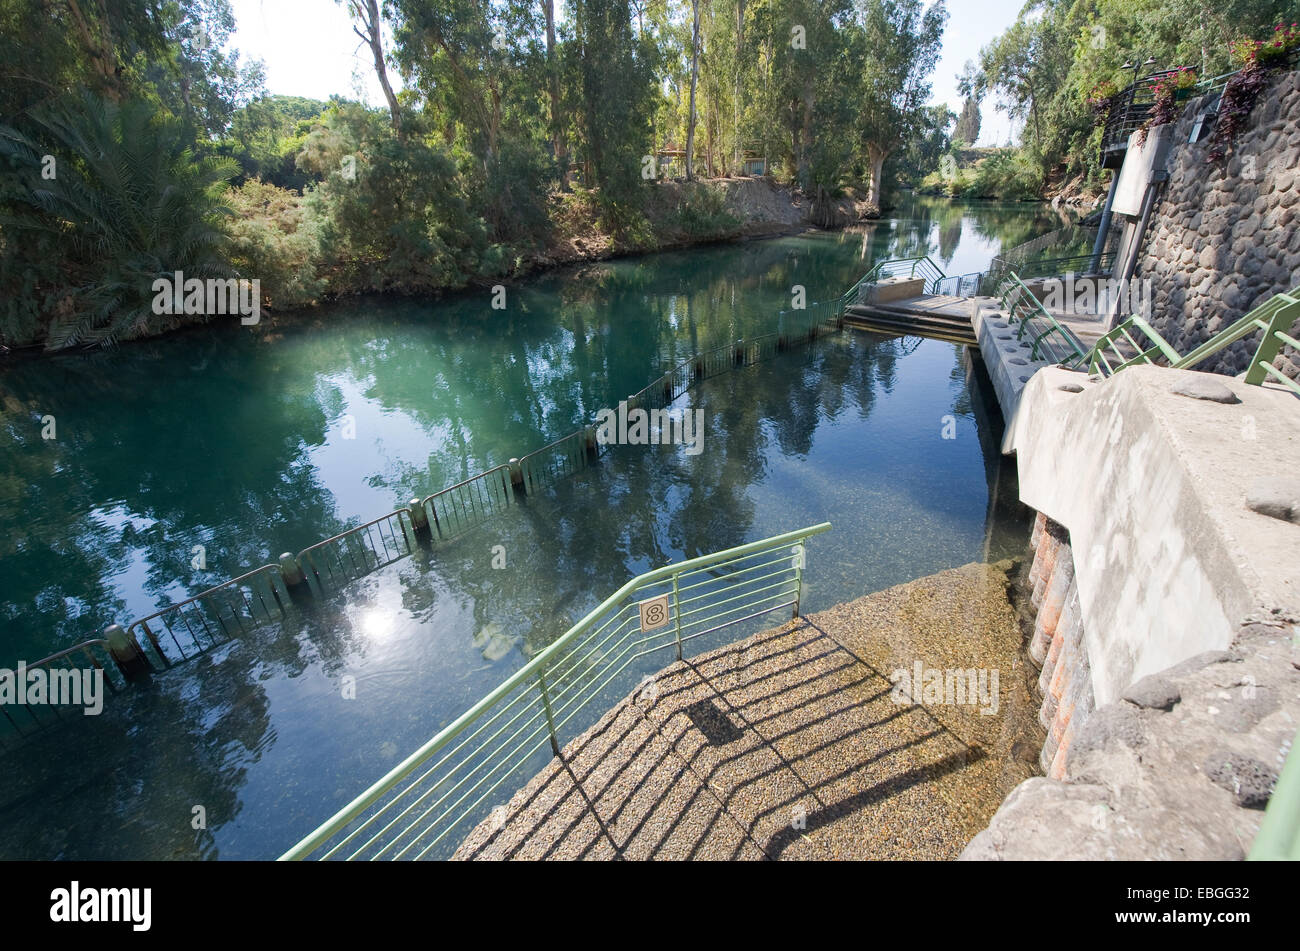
(419, 521)
(546, 705)
(126, 653)
(798, 553)
(1271, 345)
(677, 615)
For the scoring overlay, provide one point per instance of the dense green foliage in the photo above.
(513, 132)
(132, 204)
(1047, 64)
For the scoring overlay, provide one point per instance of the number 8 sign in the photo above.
(654, 613)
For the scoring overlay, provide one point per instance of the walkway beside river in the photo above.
(791, 744)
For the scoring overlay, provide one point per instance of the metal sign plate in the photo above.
(654, 613)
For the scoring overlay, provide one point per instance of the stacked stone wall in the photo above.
(1225, 236)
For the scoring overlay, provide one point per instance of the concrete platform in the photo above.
(931, 315)
(1153, 488)
(793, 744)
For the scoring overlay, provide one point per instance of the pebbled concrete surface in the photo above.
(793, 744)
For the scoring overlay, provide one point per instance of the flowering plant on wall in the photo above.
(1274, 51)
(1101, 98)
(1257, 58)
(1169, 91)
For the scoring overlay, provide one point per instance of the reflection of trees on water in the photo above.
(206, 437)
(195, 734)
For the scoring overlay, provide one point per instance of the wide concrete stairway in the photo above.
(931, 315)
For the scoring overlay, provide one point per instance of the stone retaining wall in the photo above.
(1225, 236)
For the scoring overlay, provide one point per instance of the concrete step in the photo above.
(941, 326)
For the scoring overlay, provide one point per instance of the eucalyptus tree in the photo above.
(695, 76)
(968, 122)
(613, 72)
(903, 39)
(368, 24)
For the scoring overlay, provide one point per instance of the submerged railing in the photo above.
(358, 551)
(187, 628)
(426, 804)
(183, 630)
(24, 717)
(460, 507)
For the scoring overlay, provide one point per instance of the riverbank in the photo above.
(276, 246)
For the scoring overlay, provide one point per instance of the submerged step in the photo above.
(857, 732)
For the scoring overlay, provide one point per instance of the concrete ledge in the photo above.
(1007, 359)
(1152, 487)
(896, 288)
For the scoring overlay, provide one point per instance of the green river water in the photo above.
(253, 441)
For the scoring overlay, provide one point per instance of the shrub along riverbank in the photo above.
(136, 144)
(379, 216)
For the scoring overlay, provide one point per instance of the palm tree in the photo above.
(129, 202)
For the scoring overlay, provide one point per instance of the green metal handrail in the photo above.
(930, 272)
(1027, 311)
(1097, 362)
(1273, 317)
(1278, 838)
(446, 784)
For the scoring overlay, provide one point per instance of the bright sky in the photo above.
(309, 49)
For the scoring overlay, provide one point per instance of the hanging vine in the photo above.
(1258, 58)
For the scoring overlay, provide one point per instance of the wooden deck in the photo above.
(944, 317)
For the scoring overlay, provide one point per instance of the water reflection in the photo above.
(273, 733)
(239, 441)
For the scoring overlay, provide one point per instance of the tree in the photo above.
(556, 115)
(131, 203)
(368, 25)
(968, 123)
(614, 86)
(904, 41)
(695, 75)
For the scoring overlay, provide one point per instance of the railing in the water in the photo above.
(187, 628)
(460, 507)
(23, 716)
(425, 805)
(183, 630)
(562, 458)
(332, 563)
